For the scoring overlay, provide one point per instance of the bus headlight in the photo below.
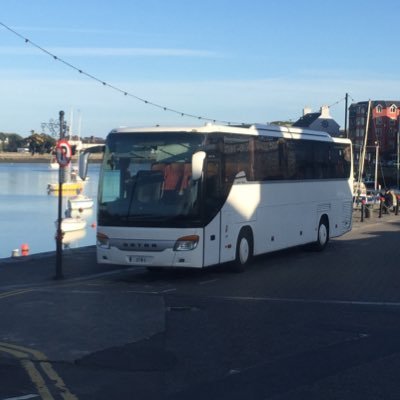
(103, 240)
(186, 243)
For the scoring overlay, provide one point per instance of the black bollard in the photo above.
(380, 206)
(396, 212)
(362, 210)
(367, 211)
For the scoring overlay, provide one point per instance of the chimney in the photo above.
(306, 110)
(325, 112)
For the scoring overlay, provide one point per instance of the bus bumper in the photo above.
(119, 252)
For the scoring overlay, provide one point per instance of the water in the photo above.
(28, 213)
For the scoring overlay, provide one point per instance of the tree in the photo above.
(14, 141)
(3, 141)
(40, 143)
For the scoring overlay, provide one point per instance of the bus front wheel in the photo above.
(323, 234)
(244, 250)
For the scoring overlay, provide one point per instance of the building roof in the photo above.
(306, 120)
(374, 103)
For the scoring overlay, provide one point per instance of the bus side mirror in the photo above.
(83, 165)
(197, 164)
(84, 159)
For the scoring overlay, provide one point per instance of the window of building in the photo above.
(378, 108)
(393, 108)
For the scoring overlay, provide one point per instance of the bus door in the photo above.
(213, 193)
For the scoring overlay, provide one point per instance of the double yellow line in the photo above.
(36, 363)
(29, 360)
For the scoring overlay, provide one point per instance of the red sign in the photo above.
(63, 152)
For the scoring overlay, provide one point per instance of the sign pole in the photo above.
(59, 233)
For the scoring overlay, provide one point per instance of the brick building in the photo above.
(383, 128)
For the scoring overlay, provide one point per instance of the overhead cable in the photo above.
(124, 92)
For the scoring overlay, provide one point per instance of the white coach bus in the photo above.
(201, 196)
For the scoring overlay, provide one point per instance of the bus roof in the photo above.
(254, 129)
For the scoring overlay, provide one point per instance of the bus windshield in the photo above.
(146, 179)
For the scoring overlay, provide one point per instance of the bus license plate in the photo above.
(140, 259)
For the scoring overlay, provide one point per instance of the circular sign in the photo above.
(63, 153)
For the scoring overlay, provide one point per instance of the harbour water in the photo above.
(28, 213)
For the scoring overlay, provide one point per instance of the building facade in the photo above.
(383, 130)
(318, 121)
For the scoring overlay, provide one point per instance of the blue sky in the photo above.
(229, 60)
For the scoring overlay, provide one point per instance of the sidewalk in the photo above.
(372, 215)
(41, 268)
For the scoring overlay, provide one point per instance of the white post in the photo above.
(364, 148)
(376, 165)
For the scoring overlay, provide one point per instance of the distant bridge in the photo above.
(89, 145)
(82, 146)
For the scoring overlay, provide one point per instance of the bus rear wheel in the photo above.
(322, 234)
(244, 250)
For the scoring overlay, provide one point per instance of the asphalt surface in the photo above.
(295, 325)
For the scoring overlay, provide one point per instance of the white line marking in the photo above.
(206, 282)
(312, 301)
(168, 290)
(28, 396)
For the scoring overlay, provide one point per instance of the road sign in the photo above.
(63, 153)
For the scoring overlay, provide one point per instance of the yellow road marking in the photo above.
(37, 379)
(37, 354)
(58, 382)
(32, 371)
(23, 353)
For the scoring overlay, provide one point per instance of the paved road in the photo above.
(296, 325)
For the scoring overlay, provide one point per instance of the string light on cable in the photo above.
(115, 88)
(337, 102)
(340, 100)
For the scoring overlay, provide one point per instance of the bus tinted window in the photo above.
(237, 157)
(270, 158)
